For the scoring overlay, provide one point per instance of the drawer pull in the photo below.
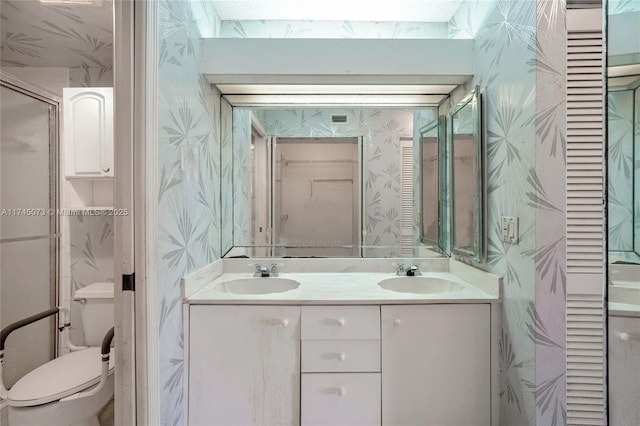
(282, 322)
(629, 336)
(397, 322)
(342, 391)
(341, 322)
(342, 356)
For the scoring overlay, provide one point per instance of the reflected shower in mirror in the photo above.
(466, 186)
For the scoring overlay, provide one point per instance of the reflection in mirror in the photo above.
(430, 153)
(466, 186)
(623, 211)
(340, 182)
(316, 196)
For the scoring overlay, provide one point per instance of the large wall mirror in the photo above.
(623, 166)
(318, 181)
(466, 185)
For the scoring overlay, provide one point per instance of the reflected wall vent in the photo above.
(335, 118)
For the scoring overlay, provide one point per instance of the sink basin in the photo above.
(258, 285)
(420, 285)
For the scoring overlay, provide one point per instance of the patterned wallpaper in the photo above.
(75, 37)
(189, 185)
(547, 319)
(520, 64)
(332, 29)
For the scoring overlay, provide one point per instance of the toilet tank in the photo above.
(96, 311)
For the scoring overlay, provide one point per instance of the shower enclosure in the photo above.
(28, 222)
(316, 196)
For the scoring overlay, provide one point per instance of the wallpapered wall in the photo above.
(188, 207)
(518, 43)
(76, 37)
(519, 60)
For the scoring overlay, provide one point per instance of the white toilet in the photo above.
(58, 392)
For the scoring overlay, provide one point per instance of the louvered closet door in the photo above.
(584, 202)
(406, 196)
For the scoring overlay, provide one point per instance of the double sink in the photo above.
(424, 284)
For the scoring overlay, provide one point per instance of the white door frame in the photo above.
(135, 88)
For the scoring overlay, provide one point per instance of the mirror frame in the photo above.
(475, 99)
(439, 124)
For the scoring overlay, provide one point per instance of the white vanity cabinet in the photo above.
(88, 132)
(244, 365)
(368, 365)
(436, 365)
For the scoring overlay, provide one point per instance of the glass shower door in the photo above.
(28, 225)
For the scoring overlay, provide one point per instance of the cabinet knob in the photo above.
(284, 322)
(342, 391)
(105, 169)
(397, 322)
(341, 322)
(342, 356)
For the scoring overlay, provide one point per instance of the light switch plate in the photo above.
(510, 231)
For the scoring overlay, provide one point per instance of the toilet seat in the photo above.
(59, 378)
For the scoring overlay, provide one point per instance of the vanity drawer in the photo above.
(340, 399)
(340, 356)
(340, 323)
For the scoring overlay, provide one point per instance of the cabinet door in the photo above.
(436, 366)
(244, 365)
(88, 132)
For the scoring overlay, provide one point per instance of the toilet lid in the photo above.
(59, 378)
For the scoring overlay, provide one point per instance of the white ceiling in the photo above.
(338, 10)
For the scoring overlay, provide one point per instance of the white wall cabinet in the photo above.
(88, 132)
(389, 365)
(244, 365)
(436, 365)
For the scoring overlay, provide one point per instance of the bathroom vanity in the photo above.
(361, 347)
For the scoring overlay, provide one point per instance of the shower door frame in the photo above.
(12, 83)
(358, 210)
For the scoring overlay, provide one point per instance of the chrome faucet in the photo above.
(413, 271)
(410, 271)
(263, 271)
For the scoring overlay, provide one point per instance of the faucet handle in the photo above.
(399, 268)
(274, 269)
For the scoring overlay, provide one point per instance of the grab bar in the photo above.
(4, 334)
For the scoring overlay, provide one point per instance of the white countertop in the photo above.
(336, 288)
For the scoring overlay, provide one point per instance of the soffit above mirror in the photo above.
(258, 72)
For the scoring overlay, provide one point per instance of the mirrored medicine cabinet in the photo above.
(312, 181)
